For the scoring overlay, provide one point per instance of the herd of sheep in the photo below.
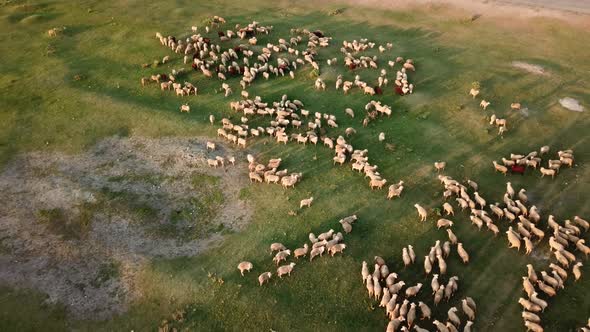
(248, 60)
(397, 298)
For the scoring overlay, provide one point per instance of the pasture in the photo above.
(73, 111)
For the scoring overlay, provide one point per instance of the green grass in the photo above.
(46, 109)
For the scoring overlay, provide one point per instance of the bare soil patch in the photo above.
(79, 228)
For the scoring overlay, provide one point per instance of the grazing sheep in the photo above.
(245, 266)
(285, 269)
(264, 277)
(306, 202)
(515, 106)
(448, 209)
(484, 104)
(213, 162)
(473, 92)
(500, 168)
(381, 136)
(421, 212)
(376, 183)
(210, 146)
(281, 256)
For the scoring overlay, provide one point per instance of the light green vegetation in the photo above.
(45, 109)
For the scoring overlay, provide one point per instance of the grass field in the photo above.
(45, 109)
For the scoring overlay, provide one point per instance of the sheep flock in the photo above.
(229, 54)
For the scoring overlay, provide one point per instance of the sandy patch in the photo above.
(571, 104)
(533, 69)
(79, 228)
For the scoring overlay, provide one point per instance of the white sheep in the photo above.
(285, 269)
(301, 252)
(264, 277)
(245, 266)
(462, 253)
(421, 212)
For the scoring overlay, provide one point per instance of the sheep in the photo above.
(412, 291)
(281, 256)
(301, 252)
(277, 247)
(556, 268)
(264, 277)
(442, 265)
(528, 245)
(529, 305)
(319, 251)
(479, 200)
(440, 326)
(448, 209)
(213, 162)
(426, 313)
(473, 92)
(515, 106)
(395, 191)
(484, 104)
(548, 290)
(406, 257)
(546, 171)
(381, 136)
(438, 295)
(469, 312)
(427, 265)
(185, 108)
(411, 315)
(453, 317)
(452, 236)
(581, 222)
(377, 287)
(531, 326)
(500, 168)
(531, 317)
(443, 223)
(513, 239)
(349, 112)
(421, 212)
(395, 288)
(581, 246)
(440, 166)
(339, 247)
(245, 266)
(577, 271)
(539, 302)
(375, 183)
(210, 146)
(394, 324)
(285, 269)
(255, 177)
(462, 253)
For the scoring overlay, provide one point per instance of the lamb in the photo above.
(462, 253)
(285, 269)
(245, 266)
(440, 166)
(306, 202)
(301, 252)
(443, 223)
(264, 277)
(185, 108)
(421, 212)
